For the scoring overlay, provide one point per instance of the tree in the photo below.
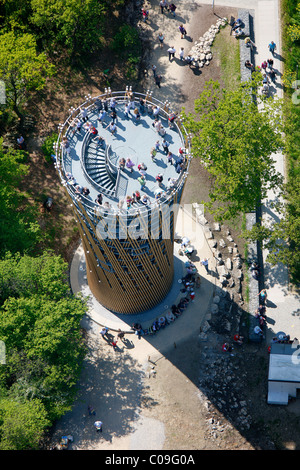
(282, 237)
(21, 68)
(234, 134)
(77, 25)
(40, 327)
(24, 275)
(22, 424)
(19, 230)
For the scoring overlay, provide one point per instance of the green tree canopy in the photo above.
(282, 237)
(23, 276)
(21, 68)
(19, 230)
(40, 327)
(22, 424)
(77, 25)
(234, 135)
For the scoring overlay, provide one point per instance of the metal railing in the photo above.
(121, 97)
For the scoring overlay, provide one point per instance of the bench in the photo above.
(244, 16)
(245, 51)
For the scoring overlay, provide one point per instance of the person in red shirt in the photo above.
(238, 339)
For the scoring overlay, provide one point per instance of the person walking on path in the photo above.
(264, 65)
(104, 332)
(158, 80)
(171, 52)
(163, 5)
(272, 47)
(91, 411)
(145, 14)
(121, 334)
(270, 63)
(263, 296)
(182, 31)
(21, 142)
(153, 67)
(98, 426)
(172, 9)
(181, 53)
(204, 263)
(161, 38)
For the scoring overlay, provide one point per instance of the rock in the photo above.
(229, 264)
(209, 234)
(202, 220)
(205, 327)
(212, 243)
(217, 227)
(214, 308)
(202, 337)
(224, 273)
(238, 264)
(222, 244)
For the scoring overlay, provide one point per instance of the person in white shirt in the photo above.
(83, 114)
(204, 263)
(112, 128)
(171, 52)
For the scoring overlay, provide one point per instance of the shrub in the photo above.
(47, 147)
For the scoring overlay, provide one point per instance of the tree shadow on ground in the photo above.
(112, 384)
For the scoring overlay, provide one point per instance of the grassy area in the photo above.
(227, 51)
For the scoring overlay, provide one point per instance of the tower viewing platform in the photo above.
(123, 159)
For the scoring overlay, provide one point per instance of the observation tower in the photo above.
(127, 233)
